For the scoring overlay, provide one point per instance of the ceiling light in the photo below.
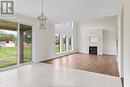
(42, 20)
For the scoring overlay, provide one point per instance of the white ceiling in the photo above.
(68, 10)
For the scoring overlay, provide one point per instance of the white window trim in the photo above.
(67, 45)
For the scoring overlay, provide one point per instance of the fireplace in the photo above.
(93, 50)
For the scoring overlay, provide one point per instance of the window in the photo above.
(25, 43)
(57, 43)
(69, 24)
(8, 48)
(64, 43)
(70, 43)
(27, 46)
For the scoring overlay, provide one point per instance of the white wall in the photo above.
(109, 42)
(127, 42)
(44, 43)
(108, 23)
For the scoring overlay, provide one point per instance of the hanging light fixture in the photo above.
(42, 20)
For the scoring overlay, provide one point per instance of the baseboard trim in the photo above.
(110, 54)
(78, 52)
(87, 53)
(59, 56)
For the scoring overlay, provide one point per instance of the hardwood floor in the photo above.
(104, 64)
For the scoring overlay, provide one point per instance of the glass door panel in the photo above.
(64, 43)
(70, 43)
(57, 44)
(8, 43)
(25, 43)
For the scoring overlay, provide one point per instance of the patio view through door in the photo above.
(15, 43)
(25, 43)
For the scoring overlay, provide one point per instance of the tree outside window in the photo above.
(64, 43)
(57, 43)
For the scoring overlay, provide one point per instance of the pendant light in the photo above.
(42, 20)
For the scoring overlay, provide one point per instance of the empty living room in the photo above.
(64, 43)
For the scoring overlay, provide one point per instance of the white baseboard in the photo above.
(88, 52)
(60, 55)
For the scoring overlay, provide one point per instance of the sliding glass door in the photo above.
(25, 43)
(15, 43)
(8, 43)
(8, 49)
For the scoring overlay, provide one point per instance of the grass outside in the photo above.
(57, 48)
(27, 54)
(64, 47)
(8, 56)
